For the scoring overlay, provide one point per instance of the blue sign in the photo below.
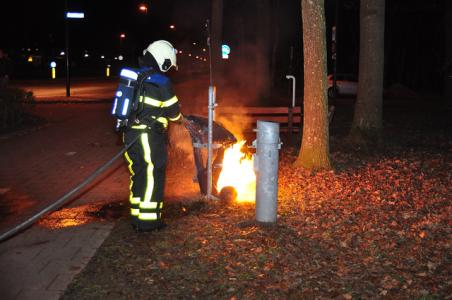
(225, 50)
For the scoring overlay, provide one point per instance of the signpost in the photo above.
(69, 15)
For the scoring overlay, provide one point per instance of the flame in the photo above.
(238, 172)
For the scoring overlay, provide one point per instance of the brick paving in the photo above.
(40, 166)
(40, 263)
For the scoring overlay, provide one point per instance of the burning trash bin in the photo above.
(197, 127)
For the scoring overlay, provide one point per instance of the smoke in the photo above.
(235, 120)
(180, 142)
(241, 82)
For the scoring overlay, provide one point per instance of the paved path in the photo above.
(40, 263)
(38, 167)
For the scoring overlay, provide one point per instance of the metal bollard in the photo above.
(266, 166)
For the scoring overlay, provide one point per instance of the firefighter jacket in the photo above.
(158, 102)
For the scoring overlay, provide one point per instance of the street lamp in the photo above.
(143, 8)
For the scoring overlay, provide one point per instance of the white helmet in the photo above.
(164, 53)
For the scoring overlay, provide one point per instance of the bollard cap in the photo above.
(267, 132)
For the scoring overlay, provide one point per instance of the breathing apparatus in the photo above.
(126, 105)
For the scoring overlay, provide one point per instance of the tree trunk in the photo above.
(262, 75)
(216, 40)
(368, 120)
(314, 152)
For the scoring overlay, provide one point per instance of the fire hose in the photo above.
(62, 200)
(195, 125)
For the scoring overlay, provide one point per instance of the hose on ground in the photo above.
(62, 200)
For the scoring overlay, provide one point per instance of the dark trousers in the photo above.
(147, 165)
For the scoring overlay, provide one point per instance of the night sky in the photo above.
(43, 26)
(415, 31)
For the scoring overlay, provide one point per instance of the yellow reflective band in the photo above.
(149, 170)
(176, 118)
(134, 200)
(157, 103)
(129, 160)
(171, 101)
(147, 216)
(134, 212)
(161, 205)
(162, 120)
(139, 126)
(148, 205)
(152, 102)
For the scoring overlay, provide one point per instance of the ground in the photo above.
(377, 226)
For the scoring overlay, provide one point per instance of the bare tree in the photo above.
(368, 121)
(314, 153)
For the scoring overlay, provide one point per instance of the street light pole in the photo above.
(68, 78)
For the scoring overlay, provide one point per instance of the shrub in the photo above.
(12, 104)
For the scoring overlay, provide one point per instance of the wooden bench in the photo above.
(246, 117)
(290, 119)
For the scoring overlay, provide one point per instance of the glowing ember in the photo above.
(238, 172)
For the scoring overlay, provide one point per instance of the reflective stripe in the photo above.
(125, 107)
(149, 170)
(129, 74)
(162, 120)
(171, 101)
(148, 216)
(142, 126)
(176, 118)
(134, 212)
(151, 205)
(129, 160)
(134, 200)
(158, 103)
(151, 102)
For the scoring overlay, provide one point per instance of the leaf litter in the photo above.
(378, 226)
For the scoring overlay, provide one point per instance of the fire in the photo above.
(238, 172)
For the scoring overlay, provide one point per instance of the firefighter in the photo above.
(148, 155)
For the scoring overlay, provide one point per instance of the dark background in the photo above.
(415, 36)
